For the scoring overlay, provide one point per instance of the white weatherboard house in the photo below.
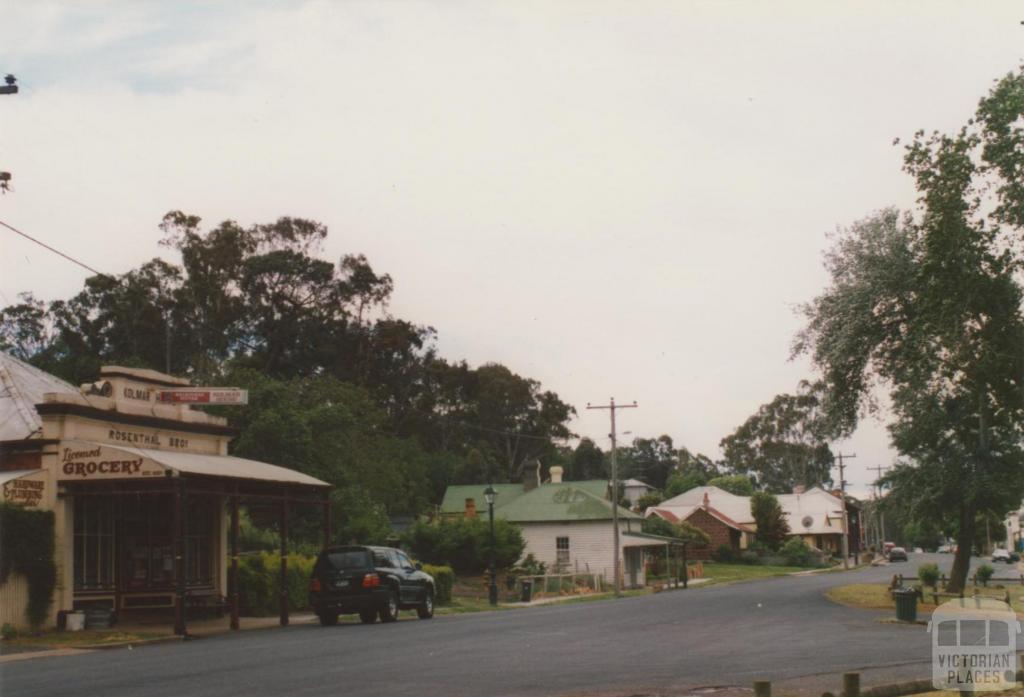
(566, 525)
(814, 515)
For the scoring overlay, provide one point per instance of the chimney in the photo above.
(707, 500)
(470, 509)
(531, 477)
(556, 474)
(799, 489)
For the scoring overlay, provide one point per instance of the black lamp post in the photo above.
(489, 495)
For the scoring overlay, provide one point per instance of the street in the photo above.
(727, 635)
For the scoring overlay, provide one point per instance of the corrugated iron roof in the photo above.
(560, 502)
(22, 387)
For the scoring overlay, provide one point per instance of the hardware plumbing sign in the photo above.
(974, 645)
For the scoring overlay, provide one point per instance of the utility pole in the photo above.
(612, 406)
(11, 87)
(842, 496)
(881, 516)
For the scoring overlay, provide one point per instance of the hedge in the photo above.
(27, 543)
(444, 581)
(259, 583)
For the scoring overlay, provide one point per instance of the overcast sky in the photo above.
(618, 199)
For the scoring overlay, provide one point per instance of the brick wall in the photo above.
(719, 532)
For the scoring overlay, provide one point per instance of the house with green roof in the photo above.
(566, 525)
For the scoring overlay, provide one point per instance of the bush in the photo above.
(465, 544)
(723, 554)
(529, 566)
(929, 574)
(984, 573)
(259, 583)
(748, 557)
(797, 553)
(444, 581)
(28, 544)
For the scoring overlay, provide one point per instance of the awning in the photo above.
(89, 461)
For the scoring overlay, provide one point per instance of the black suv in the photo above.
(370, 581)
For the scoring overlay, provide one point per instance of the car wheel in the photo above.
(367, 616)
(389, 611)
(426, 609)
(328, 619)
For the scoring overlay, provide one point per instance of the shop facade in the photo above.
(145, 496)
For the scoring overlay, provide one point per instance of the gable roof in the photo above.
(22, 387)
(734, 507)
(455, 496)
(714, 513)
(558, 503)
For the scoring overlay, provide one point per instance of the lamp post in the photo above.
(489, 495)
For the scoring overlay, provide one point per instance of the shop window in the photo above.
(94, 543)
(198, 541)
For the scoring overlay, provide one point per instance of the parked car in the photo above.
(897, 554)
(1001, 555)
(945, 549)
(370, 581)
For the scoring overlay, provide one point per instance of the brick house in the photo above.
(722, 529)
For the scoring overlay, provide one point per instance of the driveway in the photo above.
(774, 629)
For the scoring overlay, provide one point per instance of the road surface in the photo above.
(657, 644)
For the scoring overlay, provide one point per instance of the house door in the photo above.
(633, 558)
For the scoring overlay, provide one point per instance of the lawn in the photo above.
(70, 640)
(717, 573)
(875, 596)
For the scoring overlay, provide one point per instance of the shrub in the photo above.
(444, 581)
(984, 573)
(723, 554)
(465, 544)
(770, 520)
(27, 541)
(748, 557)
(8, 632)
(929, 574)
(259, 583)
(529, 566)
(797, 553)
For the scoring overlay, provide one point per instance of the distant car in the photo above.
(897, 554)
(370, 581)
(1002, 555)
(918, 550)
(945, 549)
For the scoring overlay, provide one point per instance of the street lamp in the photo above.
(489, 495)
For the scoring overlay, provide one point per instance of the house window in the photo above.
(562, 551)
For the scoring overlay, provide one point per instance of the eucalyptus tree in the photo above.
(927, 307)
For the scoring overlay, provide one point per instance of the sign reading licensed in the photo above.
(97, 463)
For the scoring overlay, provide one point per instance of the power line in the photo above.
(55, 251)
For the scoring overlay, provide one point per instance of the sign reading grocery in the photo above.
(24, 492)
(100, 463)
(203, 395)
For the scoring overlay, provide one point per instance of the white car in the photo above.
(1001, 555)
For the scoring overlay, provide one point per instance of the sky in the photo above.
(621, 199)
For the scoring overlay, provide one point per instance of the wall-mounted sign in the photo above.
(24, 492)
(203, 395)
(95, 462)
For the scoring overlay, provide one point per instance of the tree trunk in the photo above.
(964, 542)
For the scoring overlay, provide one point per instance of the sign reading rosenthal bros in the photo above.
(94, 462)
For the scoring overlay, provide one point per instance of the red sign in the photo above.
(204, 395)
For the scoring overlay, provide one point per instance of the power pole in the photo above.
(842, 497)
(11, 87)
(881, 516)
(611, 407)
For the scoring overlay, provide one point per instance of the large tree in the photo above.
(784, 444)
(927, 307)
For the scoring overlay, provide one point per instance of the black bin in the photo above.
(906, 604)
(527, 592)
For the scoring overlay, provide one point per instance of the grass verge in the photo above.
(718, 573)
(70, 640)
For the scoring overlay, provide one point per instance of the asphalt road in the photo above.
(663, 643)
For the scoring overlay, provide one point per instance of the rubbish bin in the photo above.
(906, 604)
(527, 592)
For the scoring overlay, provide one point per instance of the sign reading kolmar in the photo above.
(101, 463)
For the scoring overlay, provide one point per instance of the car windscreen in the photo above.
(351, 559)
